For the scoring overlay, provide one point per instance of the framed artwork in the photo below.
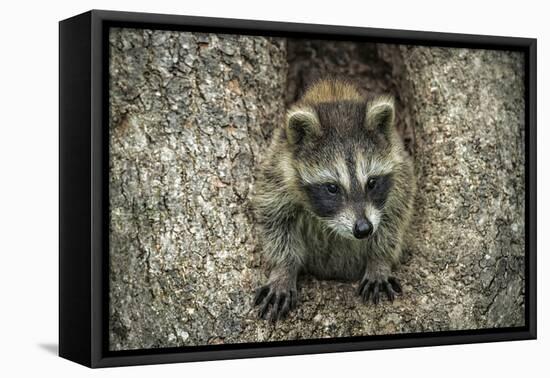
(234, 188)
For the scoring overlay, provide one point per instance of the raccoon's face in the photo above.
(343, 162)
(353, 208)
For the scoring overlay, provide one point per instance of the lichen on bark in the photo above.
(190, 117)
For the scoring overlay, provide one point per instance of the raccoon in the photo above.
(335, 197)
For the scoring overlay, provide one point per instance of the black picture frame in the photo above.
(83, 194)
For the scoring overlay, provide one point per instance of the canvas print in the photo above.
(272, 189)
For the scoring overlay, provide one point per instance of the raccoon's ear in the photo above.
(381, 114)
(301, 123)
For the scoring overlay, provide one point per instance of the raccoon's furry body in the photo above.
(335, 197)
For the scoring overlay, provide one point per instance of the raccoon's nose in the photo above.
(362, 228)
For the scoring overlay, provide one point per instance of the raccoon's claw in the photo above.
(395, 284)
(370, 289)
(279, 301)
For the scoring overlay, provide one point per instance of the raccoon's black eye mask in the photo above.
(326, 199)
(377, 189)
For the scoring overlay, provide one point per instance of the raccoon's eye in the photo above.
(371, 183)
(332, 188)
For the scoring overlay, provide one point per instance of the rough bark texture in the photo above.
(467, 267)
(190, 117)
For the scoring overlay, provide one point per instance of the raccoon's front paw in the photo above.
(277, 297)
(371, 288)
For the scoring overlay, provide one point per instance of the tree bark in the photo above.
(190, 117)
(469, 241)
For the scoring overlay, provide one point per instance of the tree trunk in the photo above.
(467, 269)
(191, 115)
